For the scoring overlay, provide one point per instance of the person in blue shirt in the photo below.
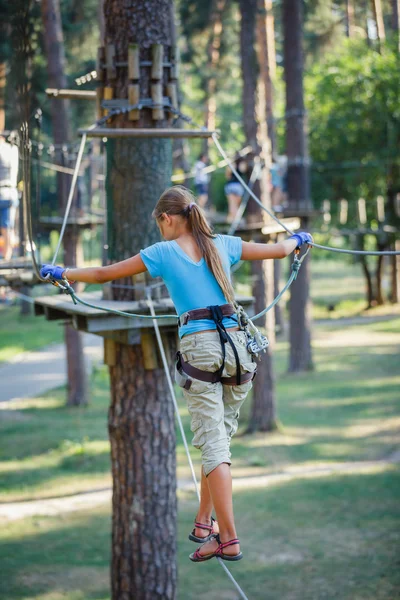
(214, 368)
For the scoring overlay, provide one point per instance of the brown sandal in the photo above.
(197, 557)
(210, 528)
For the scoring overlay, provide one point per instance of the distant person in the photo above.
(201, 180)
(8, 194)
(278, 179)
(234, 190)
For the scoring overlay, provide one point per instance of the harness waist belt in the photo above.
(209, 376)
(204, 313)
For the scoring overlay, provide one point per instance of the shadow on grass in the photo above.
(335, 537)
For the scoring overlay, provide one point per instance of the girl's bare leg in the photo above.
(205, 508)
(220, 486)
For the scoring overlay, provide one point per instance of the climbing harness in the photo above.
(256, 341)
(216, 314)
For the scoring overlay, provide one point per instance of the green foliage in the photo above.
(354, 118)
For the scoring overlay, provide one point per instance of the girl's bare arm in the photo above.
(255, 251)
(125, 268)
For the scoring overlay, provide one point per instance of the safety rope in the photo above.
(173, 396)
(313, 244)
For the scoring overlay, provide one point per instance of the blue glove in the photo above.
(302, 237)
(54, 272)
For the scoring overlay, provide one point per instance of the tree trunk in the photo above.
(378, 16)
(263, 412)
(267, 61)
(349, 18)
(396, 20)
(382, 245)
(298, 180)
(366, 271)
(54, 44)
(2, 95)
(277, 308)
(395, 274)
(141, 416)
(213, 55)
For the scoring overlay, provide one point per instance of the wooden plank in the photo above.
(110, 354)
(326, 207)
(142, 133)
(156, 95)
(133, 62)
(362, 211)
(274, 227)
(72, 94)
(133, 98)
(99, 100)
(172, 93)
(149, 354)
(380, 208)
(110, 62)
(157, 52)
(343, 211)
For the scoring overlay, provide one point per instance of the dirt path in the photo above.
(12, 511)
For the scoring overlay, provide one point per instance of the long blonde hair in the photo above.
(178, 200)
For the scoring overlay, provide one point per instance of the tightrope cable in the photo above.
(289, 231)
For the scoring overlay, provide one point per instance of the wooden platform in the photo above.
(19, 262)
(94, 320)
(18, 277)
(246, 230)
(85, 221)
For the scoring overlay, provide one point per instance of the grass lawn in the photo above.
(320, 537)
(335, 537)
(315, 537)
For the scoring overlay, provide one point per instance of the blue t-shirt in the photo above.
(191, 284)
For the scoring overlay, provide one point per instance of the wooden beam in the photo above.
(143, 133)
(72, 94)
(133, 62)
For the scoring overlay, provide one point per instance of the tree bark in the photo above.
(396, 20)
(267, 61)
(3, 66)
(213, 56)
(349, 18)
(54, 44)
(298, 180)
(263, 411)
(141, 415)
(378, 16)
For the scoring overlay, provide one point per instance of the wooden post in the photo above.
(327, 211)
(343, 211)
(133, 62)
(362, 211)
(395, 272)
(108, 95)
(148, 344)
(172, 93)
(380, 208)
(133, 98)
(110, 358)
(157, 66)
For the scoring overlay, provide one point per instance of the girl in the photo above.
(214, 367)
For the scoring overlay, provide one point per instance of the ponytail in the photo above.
(178, 200)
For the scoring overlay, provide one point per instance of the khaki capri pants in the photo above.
(214, 408)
